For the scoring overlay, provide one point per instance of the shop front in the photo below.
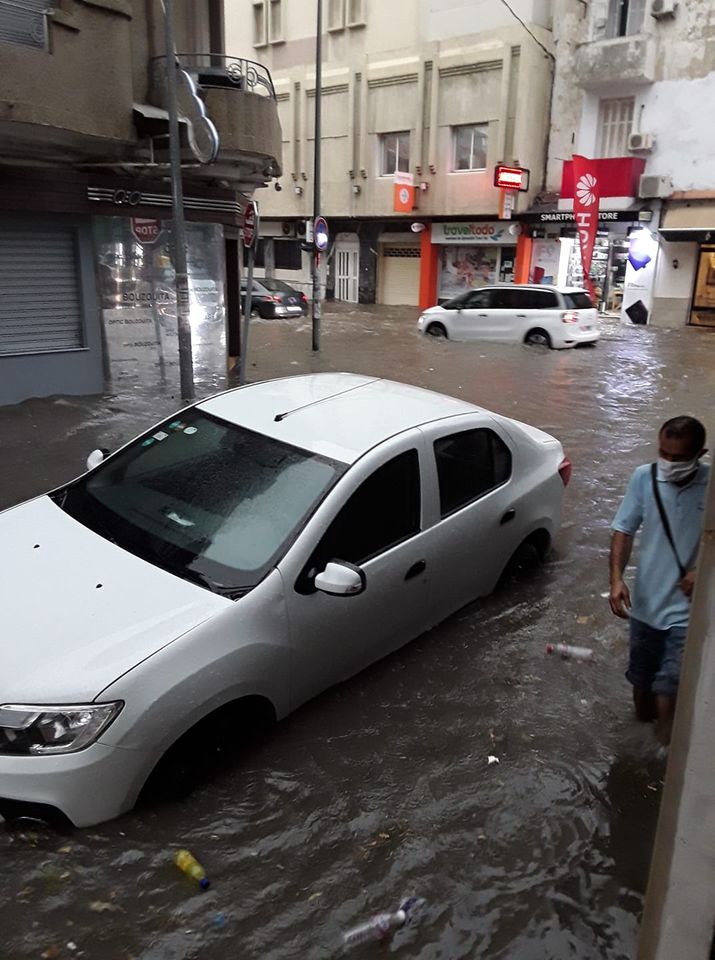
(473, 254)
(88, 287)
(686, 278)
(555, 256)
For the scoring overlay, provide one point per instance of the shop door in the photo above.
(400, 275)
(703, 312)
(347, 269)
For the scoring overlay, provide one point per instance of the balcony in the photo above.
(230, 117)
(620, 63)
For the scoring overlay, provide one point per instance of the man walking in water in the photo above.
(666, 502)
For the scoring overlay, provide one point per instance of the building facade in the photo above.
(86, 279)
(421, 99)
(633, 84)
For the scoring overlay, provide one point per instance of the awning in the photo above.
(694, 222)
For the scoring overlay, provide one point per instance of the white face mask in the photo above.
(674, 472)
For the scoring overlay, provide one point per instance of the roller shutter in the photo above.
(400, 282)
(40, 305)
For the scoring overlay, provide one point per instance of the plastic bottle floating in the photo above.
(568, 652)
(192, 868)
(382, 924)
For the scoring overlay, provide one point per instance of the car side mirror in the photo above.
(96, 457)
(341, 579)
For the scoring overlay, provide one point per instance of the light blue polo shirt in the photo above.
(656, 598)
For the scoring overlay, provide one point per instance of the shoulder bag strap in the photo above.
(664, 517)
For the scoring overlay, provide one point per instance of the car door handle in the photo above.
(509, 515)
(416, 569)
(521, 316)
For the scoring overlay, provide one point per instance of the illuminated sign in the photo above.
(511, 178)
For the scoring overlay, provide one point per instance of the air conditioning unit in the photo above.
(662, 9)
(643, 142)
(651, 187)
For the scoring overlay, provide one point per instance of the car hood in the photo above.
(64, 637)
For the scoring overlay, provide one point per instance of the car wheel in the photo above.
(256, 313)
(528, 558)
(537, 338)
(437, 330)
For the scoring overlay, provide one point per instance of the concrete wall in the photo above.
(83, 83)
(418, 65)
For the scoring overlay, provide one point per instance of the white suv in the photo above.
(535, 314)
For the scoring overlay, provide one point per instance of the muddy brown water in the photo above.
(381, 787)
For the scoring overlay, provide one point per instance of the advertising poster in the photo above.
(464, 268)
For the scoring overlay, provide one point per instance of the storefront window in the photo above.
(138, 298)
(464, 268)
(704, 300)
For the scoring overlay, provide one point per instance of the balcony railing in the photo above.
(24, 23)
(216, 70)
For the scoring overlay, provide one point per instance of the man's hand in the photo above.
(620, 599)
(687, 583)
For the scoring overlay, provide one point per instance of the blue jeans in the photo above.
(655, 656)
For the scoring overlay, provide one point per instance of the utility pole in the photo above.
(317, 142)
(178, 234)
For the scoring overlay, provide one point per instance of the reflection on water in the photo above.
(381, 787)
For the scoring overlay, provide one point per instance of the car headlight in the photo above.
(38, 730)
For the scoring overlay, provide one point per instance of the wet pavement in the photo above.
(381, 787)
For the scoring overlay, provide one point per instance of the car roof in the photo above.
(529, 286)
(337, 415)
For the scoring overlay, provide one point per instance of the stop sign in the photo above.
(146, 230)
(250, 224)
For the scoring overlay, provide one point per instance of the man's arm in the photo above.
(619, 597)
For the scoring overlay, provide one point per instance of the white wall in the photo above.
(679, 113)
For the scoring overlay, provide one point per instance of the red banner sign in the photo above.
(585, 209)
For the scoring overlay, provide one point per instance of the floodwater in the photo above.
(381, 787)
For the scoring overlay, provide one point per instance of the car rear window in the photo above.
(279, 285)
(578, 301)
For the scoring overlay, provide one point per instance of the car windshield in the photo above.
(577, 300)
(271, 284)
(204, 499)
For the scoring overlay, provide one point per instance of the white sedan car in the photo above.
(533, 314)
(238, 559)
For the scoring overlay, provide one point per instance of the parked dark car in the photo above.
(274, 298)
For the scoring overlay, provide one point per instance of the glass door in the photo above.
(703, 312)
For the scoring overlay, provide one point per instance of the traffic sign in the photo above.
(145, 229)
(320, 234)
(250, 224)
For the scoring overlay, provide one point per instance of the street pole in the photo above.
(178, 234)
(315, 307)
(247, 308)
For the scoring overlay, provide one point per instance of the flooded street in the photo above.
(381, 787)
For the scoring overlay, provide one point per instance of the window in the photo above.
(394, 153)
(625, 18)
(383, 511)
(336, 14)
(478, 300)
(356, 13)
(260, 33)
(615, 124)
(276, 21)
(24, 22)
(470, 464)
(470, 147)
(578, 301)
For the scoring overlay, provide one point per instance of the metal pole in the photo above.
(178, 234)
(248, 306)
(316, 173)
